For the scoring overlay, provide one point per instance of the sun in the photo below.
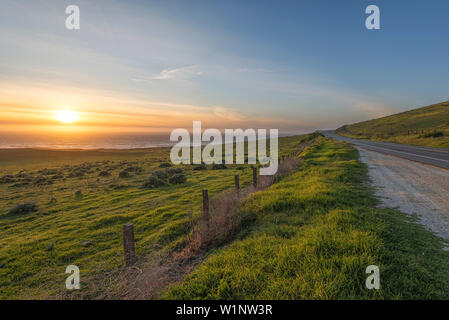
(66, 116)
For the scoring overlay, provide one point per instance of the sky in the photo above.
(152, 66)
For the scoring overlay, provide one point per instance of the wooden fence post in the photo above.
(255, 177)
(237, 183)
(128, 244)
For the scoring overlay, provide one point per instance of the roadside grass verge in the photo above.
(312, 236)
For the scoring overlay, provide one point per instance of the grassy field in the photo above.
(82, 200)
(312, 236)
(427, 126)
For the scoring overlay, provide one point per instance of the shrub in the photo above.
(77, 173)
(160, 174)
(134, 169)
(58, 176)
(218, 166)
(7, 179)
(78, 194)
(165, 165)
(172, 171)
(124, 174)
(48, 172)
(200, 167)
(177, 179)
(435, 134)
(104, 173)
(23, 208)
(21, 175)
(117, 186)
(42, 181)
(154, 182)
(20, 184)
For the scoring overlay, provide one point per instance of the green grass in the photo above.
(312, 235)
(427, 126)
(36, 247)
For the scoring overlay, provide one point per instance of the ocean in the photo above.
(87, 141)
(84, 141)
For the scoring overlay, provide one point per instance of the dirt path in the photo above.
(412, 187)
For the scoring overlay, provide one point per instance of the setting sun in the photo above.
(66, 116)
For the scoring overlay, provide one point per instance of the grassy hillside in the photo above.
(82, 200)
(427, 126)
(312, 236)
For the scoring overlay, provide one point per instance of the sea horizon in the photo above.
(112, 141)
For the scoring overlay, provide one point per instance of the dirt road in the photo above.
(412, 187)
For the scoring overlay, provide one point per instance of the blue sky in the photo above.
(295, 65)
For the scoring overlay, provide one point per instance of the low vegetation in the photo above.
(23, 208)
(312, 236)
(427, 126)
(80, 215)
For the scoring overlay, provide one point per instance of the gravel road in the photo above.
(412, 187)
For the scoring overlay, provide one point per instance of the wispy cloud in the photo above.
(178, 73)
(228, 114)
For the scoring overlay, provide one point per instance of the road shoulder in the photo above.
(412, 187)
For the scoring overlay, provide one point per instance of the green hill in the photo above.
(426, 126)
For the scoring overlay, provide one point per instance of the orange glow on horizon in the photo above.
(55, 109)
